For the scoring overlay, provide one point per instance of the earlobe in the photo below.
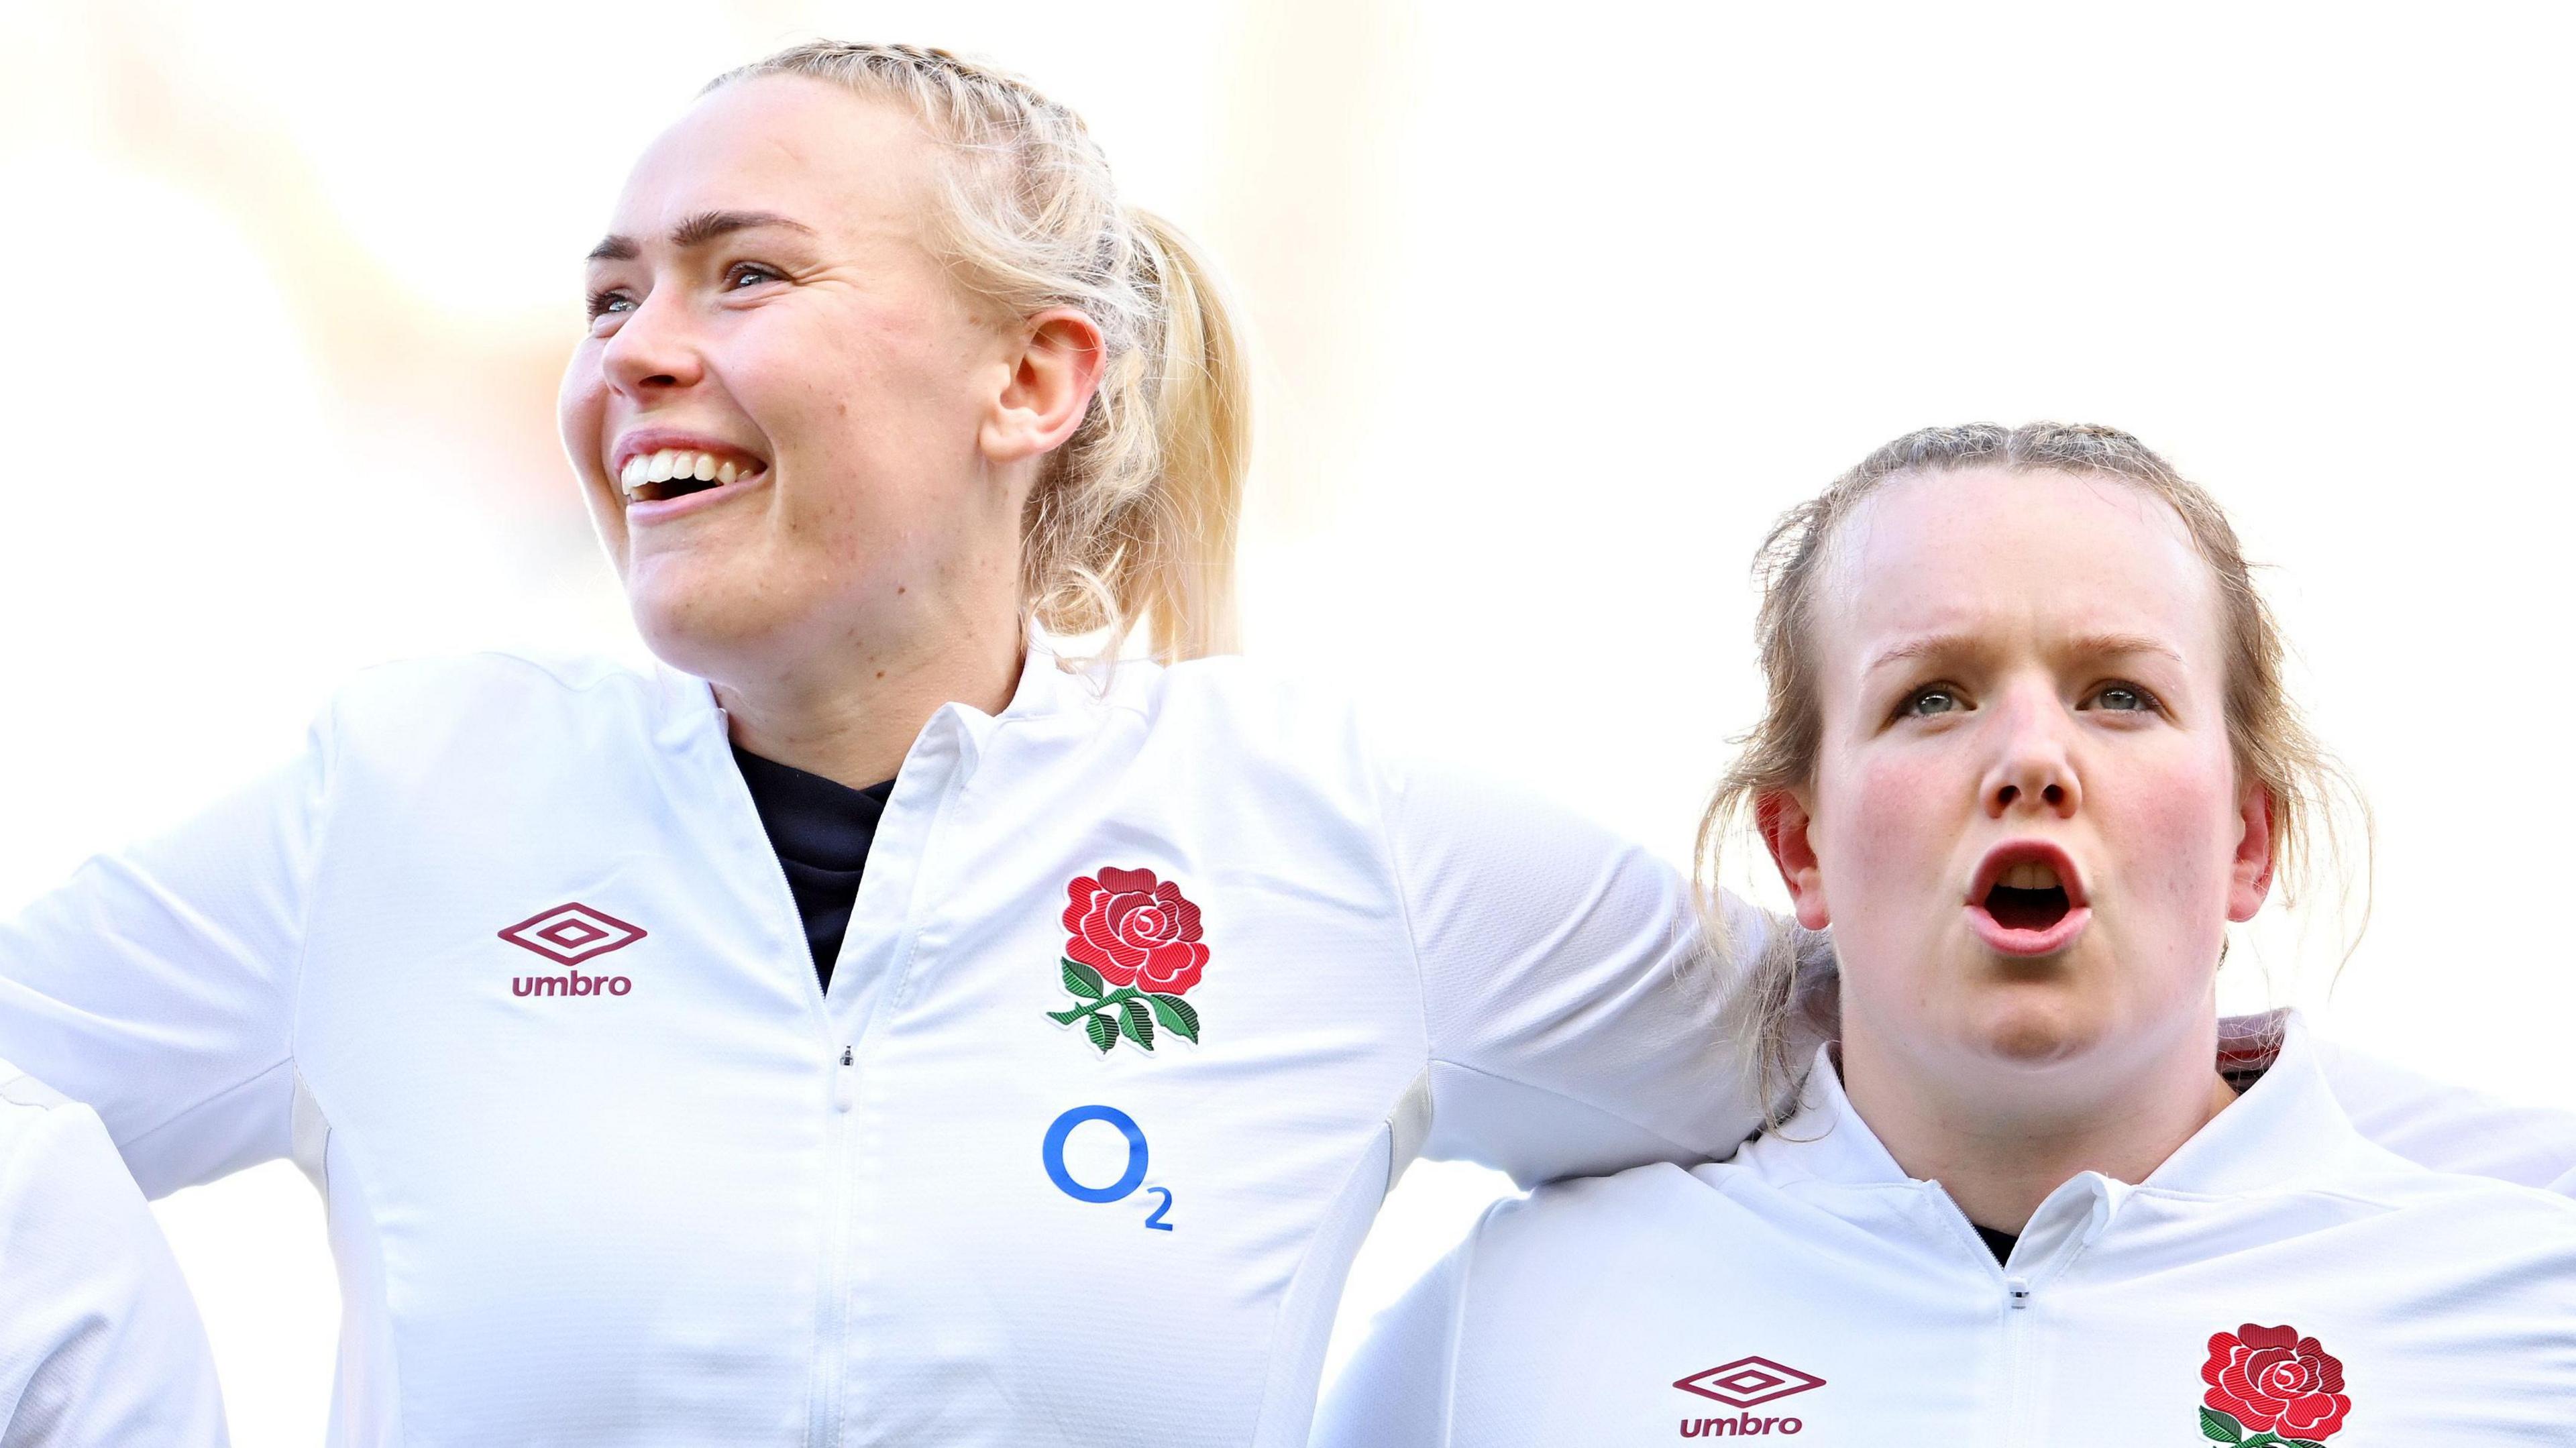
(1784, 824)
(1048, 388)
(2251, 880)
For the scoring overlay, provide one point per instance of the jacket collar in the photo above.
(2284, 1129)
(688, 708)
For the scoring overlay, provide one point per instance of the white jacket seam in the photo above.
(1682, 1151)
(1404, 918)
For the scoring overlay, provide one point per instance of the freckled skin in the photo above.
(904, 420)
(1905, 807)
(854, 494)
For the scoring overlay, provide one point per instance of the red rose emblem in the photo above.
(1135, 931)
(2271, 1380)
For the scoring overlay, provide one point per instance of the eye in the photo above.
(2118, 698)
(609, 300)
(1930, 701)
(749, 271)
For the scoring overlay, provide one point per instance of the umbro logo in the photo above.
(569, 935)
(1747, 1382)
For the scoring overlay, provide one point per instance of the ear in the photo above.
(2250, 877)
(1047, 390)
(1782, 818)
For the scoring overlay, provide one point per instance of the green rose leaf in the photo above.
(1137, 1022)
(2300, 1443)
(2221, 1428)
(1178, 1016)
(1104, 1032)
(1083, 981)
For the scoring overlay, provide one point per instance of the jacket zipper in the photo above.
(2017, 1330)
(2014, 1422)
(831, 1328)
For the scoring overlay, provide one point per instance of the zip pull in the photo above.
(844, 1095)
(2017, 1292)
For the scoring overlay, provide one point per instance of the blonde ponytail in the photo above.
(1203, 423)
(1133, 520)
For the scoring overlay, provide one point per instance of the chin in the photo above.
(691, 631)
(2035, 1025)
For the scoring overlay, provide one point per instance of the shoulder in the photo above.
(1571, 1227)
(1254, 706)
(27, 1106)
(1265, 723)
(2448, 1127)
(2471, 1211)
(2436, 1233)
(465, 682)
(49, 1144)
(431, 706)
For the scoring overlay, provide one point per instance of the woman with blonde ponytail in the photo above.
(872, 1026)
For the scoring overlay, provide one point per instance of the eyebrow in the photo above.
(1952, 645)
(697, 230)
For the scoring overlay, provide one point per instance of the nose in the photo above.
(654, 349)
(2033, 770)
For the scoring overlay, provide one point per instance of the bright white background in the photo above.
(1556, 310)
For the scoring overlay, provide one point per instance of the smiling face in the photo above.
(2026, 828)
(781, 411)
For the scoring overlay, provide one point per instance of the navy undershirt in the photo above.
(821, 830)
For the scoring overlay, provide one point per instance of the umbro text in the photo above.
(1742, 1425)
(575, 984)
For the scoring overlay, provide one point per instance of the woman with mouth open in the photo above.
(2027, 754)
(865, 1028)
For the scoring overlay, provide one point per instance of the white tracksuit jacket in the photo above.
(2278, 1279)
(99, 1344)
(507, 965)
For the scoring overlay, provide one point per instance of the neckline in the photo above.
(2284, 1127)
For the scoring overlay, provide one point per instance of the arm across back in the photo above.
(1570, 1002)
(158, 983)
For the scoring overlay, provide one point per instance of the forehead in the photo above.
(846, 164)
(2000, 554)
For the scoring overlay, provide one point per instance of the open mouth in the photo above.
(2028, 899)
(677, 472)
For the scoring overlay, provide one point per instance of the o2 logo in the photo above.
(1128, 1181)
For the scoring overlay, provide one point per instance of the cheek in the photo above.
(2172, 827)
(581, 406)
(1883, 830)
(884, 384)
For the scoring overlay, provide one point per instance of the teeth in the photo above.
(2029, 875)
(669, 464)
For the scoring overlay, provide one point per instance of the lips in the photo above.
(661, 465)
(2027, 898)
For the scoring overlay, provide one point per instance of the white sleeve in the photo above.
(100, 1346)
(1571, 1010)
(157, 984)
(2451, 1128)
(1396, 1391)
